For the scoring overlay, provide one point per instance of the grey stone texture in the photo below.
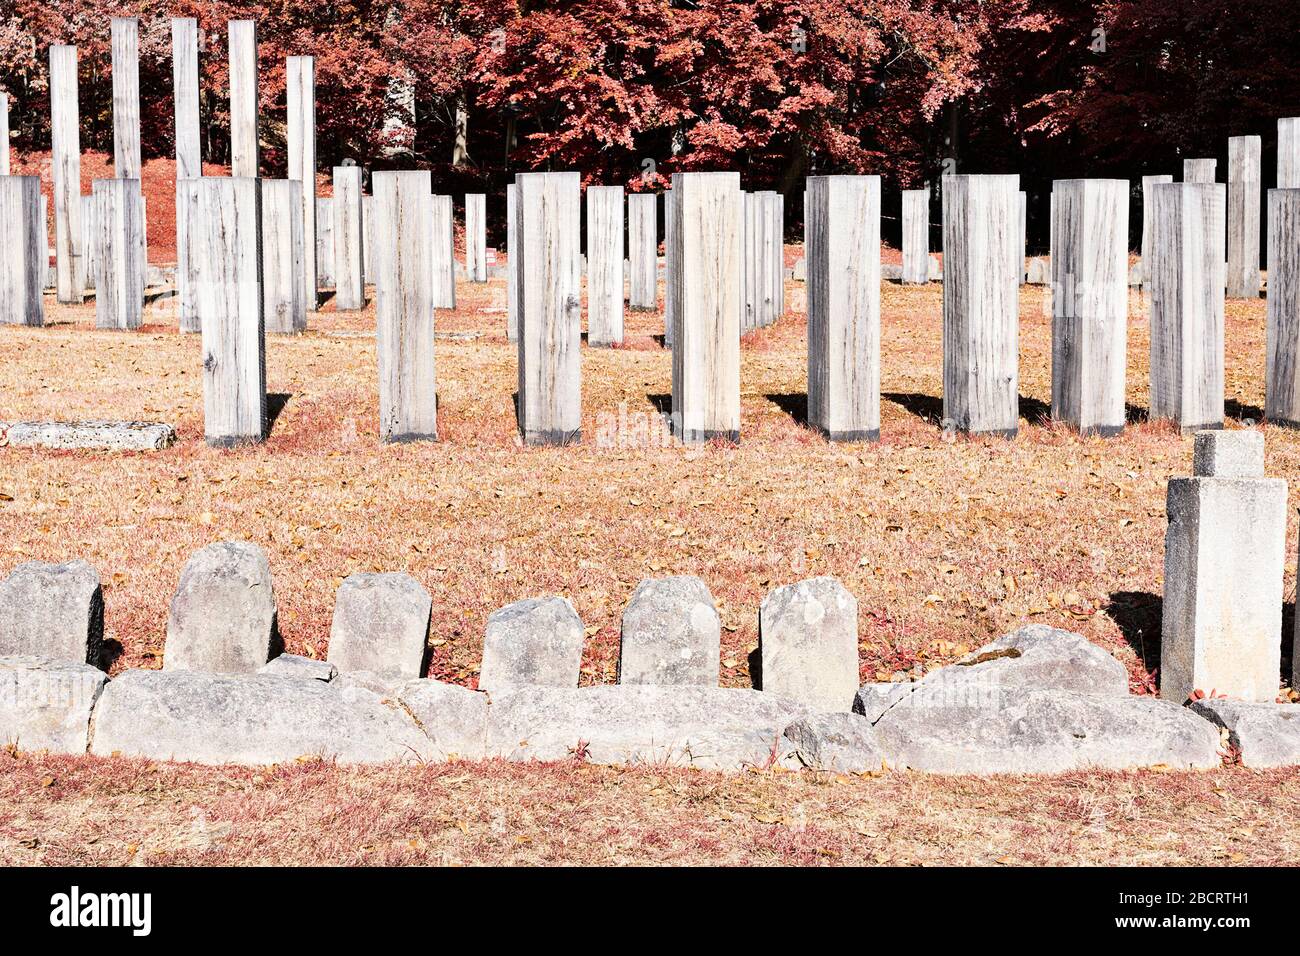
(1267, 734)
(845, 743)
(47, 704)
(222, 618)
(303, 668)
(671, 634)
(381, 624)
(537, 641)
(808, 643)
(453, 718)
(91, 435)
(53, 611)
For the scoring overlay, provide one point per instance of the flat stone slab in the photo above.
(53, 611)
(88, 435)
(713, 728)
(46, 704)
(1268, 735)
(252, 719)
(845, 743)
(454, 718)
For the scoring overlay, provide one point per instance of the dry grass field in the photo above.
(946, 542)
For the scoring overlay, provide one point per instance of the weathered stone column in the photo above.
(604, 265)
(981, 320)
(670, 287)
(367, 239)
(404, 306)
(65, 137)
(750, 261)
(4, 134)
(349, 277)
(512, 276)
(300, 82)
(642, 250)
(22, 251)
(283, 252)
(916, 236)
(444, 252)
(1243, 217)
(1023, 240)
(843, 256)
(125, 45)
(778, 254)
(1225, 553)
(243, 97)
(1147, 229)
(89, 243)
(706, 259)
(1288, 152)
(1187, 283)
(119, 254)
(550, 307)
(1282, 378)
(324, 242)
(1090, 303)
(773, 281)
(1199, 170)
(476, 237)
(225, 240)
(189, 156)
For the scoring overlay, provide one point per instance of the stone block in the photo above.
(808, 643)
(381, 625)
(47, 704)
(222, 618)
(533, 642)
(53, 611)
(842, 743)
(1228, 454)
(1266, 734)
(671, 634)
(453, 718)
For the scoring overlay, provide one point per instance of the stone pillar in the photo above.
(1187, 283)
(243, 97)
(550, 307)
(981, 321)
(670, 287)
(642, 250)
(766, 243)
(119, 254)
(444, 252)
(1090, 303)
(1147, 263)
(476, 237)
(916, 236)
(773, 282)
(125, 42)
(300, 83)
(349, 279)
(88, 240)
(1022, 243)
(404, 306)
(750, 261)
(1225, 550)
(706, 259)
(1288, 153)
(512, 277)
(65, 137)
(324, 242)
(367, 239)
(4, 134)
(1243, 217)
(23, 259)
(189, 156)
(1282, 378)
(283, 253)
(843, 258)
(604, 265)
(1199, 170)
(226, 244)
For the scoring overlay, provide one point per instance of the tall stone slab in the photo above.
(1089, 303)
(88, 241)
(349, 275)
(751, 261)
(642, 250)
(300, 86)
(189, 157)
(404, 306)
(843, 256)
(325, 242)
(1243, 217)
(512, 276)
(1022, 243)
(772, 279)
(1187, 286)
(670, 287)
(1288, 152)
(550, 307)
(283, 253)
(476, 237)
(916, 236)
(23, 260)
(65, 139)
(1282, 377)
(119, 254)
(604, 265)
(1225, 553)
(778, 256)
(225, 239)
(981, 322)
(1147, 230)
(1199, 170)
(706, 257)
(125, 44)
(367, 238)
(243, 97)
(444, 252)
(4, 134)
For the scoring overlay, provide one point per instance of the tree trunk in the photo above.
(460, 144)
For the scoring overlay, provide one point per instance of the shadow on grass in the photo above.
(794, 404)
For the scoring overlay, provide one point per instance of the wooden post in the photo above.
(981, 321)
(670, 287)
(843, 258)
(1243, 217)
(642, 250)
(444, 252)
(1199, 170)
(1187, 293)
(125, 43)
(283, 253)
(243, 97)
(226, 243)
(778, 261)
(766, 256)
(325, 242)
(550, 307)
(916, 236)
(65, 136)
(189, 158)
(1090, 303)
(1288, 152)
(4, 134)
(404, 306)
(300, 81)
(476, 237)
(512, 276)
(706, 334)
(1147, 263)
(604, 265)
(119, 254)
(349, 279)
(23, 259)
(1282, 382)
